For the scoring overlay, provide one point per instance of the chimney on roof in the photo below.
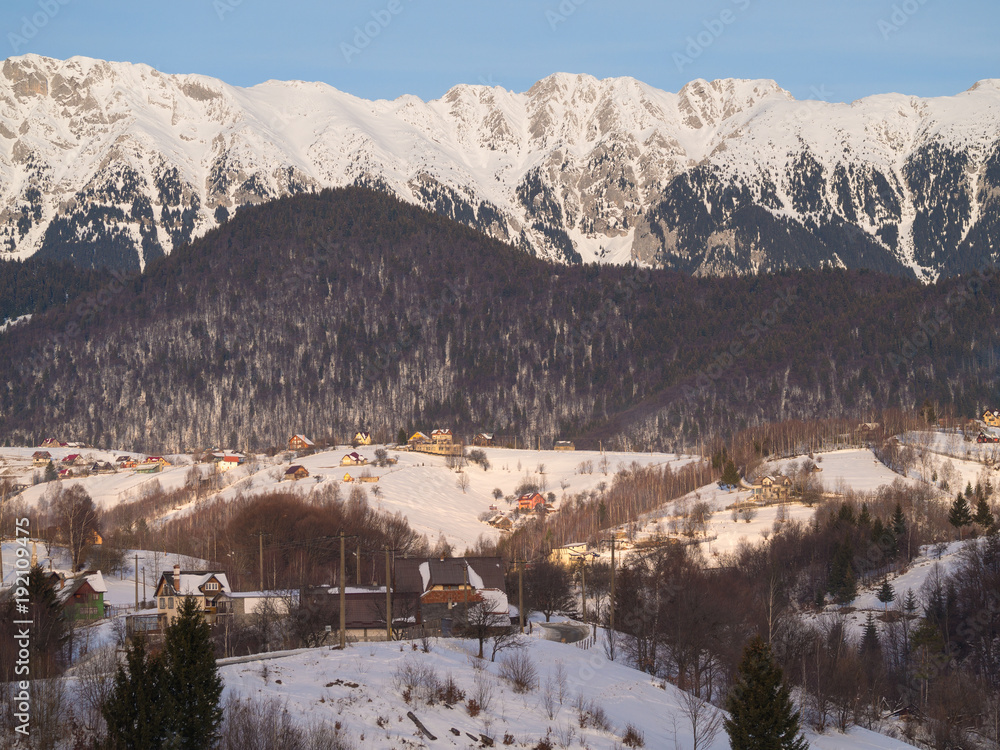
(177, 578)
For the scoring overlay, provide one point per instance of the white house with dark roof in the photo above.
(206, 586)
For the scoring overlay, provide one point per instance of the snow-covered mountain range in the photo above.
(116, 163)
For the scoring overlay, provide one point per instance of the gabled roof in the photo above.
(420, 574)
(418, 436)
(303, 438)
(192, 582)
(294, 469)
(232, 459)
(41, 454)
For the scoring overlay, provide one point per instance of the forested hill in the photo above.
(325, 313)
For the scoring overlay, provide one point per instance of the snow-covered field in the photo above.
(356, 688)
(420, 486)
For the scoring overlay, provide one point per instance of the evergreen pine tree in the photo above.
(50, 472)
(137, 709)
(401, 437)
(910, 603)
(960, 515)
(869, 641)
(192, 679)
(968, 491)
(984, 516)
(898, 523)
(761, 714)
(730, 474)
(49, 629)
(886, 594)
(864, 517)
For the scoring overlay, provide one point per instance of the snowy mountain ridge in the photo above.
(116, 164)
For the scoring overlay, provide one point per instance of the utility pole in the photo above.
(137, 584)
(583, 586)
(144, 583)
(343, 600)
(260, 539)
(358, 570)
(520, 594)
(611, 606)
(388, 597)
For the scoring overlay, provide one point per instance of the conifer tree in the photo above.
(761, 714)
(137, 709)
(869, 640)
(898, 523)
(50, 472)
(960, 515)
(984, 516)
(192, 679)
(886, 594)
(730, 474)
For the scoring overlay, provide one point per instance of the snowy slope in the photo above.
(96, 153)
(355, 688)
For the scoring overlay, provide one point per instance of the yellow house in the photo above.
(362, 438)
(568, 554)
(992, 417)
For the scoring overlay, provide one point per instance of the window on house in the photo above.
(163, 602)
(170, 602)
(211, 586)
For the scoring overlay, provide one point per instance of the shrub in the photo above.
(633, 737)
(518, 669)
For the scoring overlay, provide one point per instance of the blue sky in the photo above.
(837, 50)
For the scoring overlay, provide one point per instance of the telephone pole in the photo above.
(611, 607)
(388, 597)
(136, 574)
(520, 594)
(343, 599)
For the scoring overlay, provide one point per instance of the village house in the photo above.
(156, 460)
(243, 605)
(353, 459)
(529, 501)
(362, 438)
(73, 459)
(228, 463)
(992, 417)
(447, 587)
(442, 436)
(82, 596)
(564, 445)
(770, 489)
(501, 522)
(568, 554)
(364, 610)
(418, 439)
(296, 472)
(207, 588)
(152, 467)
(41, 458)
(483, 439)
(300, 443)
